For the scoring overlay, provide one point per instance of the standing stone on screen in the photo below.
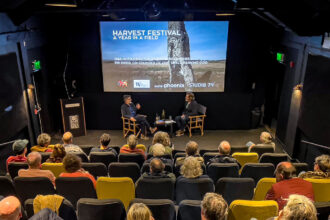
(178, 50)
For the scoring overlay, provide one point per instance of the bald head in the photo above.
(34, 160)
(67, 138)
(224, 148)
(10, 208)
(284, 171)
(156, 166)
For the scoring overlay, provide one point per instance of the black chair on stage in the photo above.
(274, 158)
(131, 170)
(162, 209)
(300, 167)
(83, 156)
(235, 188)
(103, 157)
(96, 169)
(209, 155)
(86, 148)
(263, 148)
(235, 149)
(45, 156)
(129, 158)
(146, 168)
(258, 171)
(162, 188)
(104, 209)
(14, 167)
(189, 209)
(218, 170)
(6, 187)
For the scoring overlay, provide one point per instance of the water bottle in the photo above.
(163, 114)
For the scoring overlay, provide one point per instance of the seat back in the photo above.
(166, 156)
(193, 189)
(56, 168)
(246, 210)
(321, 189)
(131, 170)
(105, 209)
(260, 149)
(86, 148)
(96, 169)
(232, 188)
(45, 156)
(6, 187)
(239, 149)
(103, 157)
(162, 188)
(83, 156)
(209, 155)
(121, 188)
(14, 167)
(244, 158)
(202, 152)
(189, 209)
(274, 158)
(74, 188)
(218, 170)
(161, 209)
(129, 158)
(175, 151)
(116, 148)
(179, 154)
(201, 109)
(30, 187)
(146, 168)
(300, 167)
(262, 188)
(323, 210)
(258, 171)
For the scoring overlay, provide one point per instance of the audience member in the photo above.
(287, 184)
(162, 138)
(191, 151)
(158, 151)
(131, 146)
(321, 168)
(46, 213)
(104, 145)
(191, 168)
(57, 155)
(224, 154)
(265, 139)
(10, 208)
(68, 144)
(139, 211)
(72, 166)
(214, 207)
(43, 141)
(19, 149)
(34, 162)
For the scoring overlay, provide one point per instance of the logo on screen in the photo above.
(122, 83)
(142, 84)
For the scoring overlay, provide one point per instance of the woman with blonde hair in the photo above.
(57, 155)
(162, 138)
(191, 168)
(139, 211)
(266, 139)
(43, 141)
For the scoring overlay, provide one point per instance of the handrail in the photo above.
(5, 143)
(318, 145)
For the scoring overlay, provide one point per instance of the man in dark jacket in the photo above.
(224, 154)
(129, 110)
(190, 109)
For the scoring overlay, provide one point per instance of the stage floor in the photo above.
(210, 140)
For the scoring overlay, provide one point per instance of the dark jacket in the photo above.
(191, 109)
(125, 110)
(109, 149)
(161, 175)
(164, 160)
(223, 159)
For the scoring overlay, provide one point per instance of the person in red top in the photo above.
(19, 148)
(131, 148)
(72, 166)
(287, 184)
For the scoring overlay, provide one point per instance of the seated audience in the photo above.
(19, 149)
(224, 154)
(158, 151)
(287, 184)
(321, 168)
(157, 171)
(57, 155)
(191, 151)
(132, 142)
(68, 144)
(162, 138)
(265, 139)
(139, 211)
(43, 141)
(191, 169)
(72, 166)
(10, 208)
(34, 162)
(46, 213)
(214, 207)
(104, 145)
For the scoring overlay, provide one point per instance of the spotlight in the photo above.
(298, 87)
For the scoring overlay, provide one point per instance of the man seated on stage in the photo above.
(68, 144)
(19, 148)
(224, 154)
(190, 109)
(129, 110)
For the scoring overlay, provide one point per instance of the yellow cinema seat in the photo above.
(262, 188)
(121, 188)
(56, 168)
(244, 158)
(247, 209)
(321, 189)
(139, 146)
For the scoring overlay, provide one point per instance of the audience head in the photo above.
(214, 207)
(156, 166)
(322, 163)
(158, 150)
(298, 207)
(105, 139)
(19, 147)
(139, 211)
(43, 140)
(132, 141)
(191, 168)
(127, 99)
(265, 137)
(71, 163)
(163, 138)
(58, 151)
(224, 148)
(67, 138)
(10, 208)
(34, 160)
(190, 97)
(285, 171)
(192, 148)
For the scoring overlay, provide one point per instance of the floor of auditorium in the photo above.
(210, 140)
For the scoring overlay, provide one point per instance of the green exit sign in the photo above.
(36, 65)
(280, 57)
